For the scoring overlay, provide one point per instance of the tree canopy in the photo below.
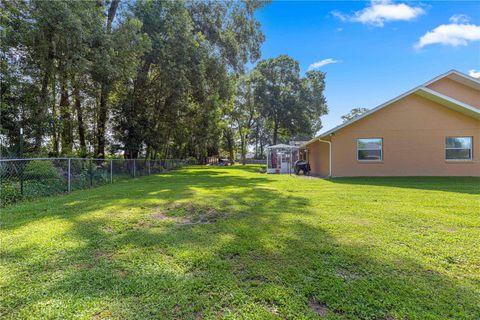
(147, 79)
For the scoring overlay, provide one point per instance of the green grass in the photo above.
(233, 243)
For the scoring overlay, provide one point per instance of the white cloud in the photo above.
(474, 73)
(453, 34)
(322, 63)
(380, 12)
(459, 18)
(339, 15)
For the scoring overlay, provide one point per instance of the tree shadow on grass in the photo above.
(469, 185)
(267, 258)
(133, 192)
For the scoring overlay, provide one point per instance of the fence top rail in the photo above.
(96, 159)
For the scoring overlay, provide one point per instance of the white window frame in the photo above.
(471, 148)
(373, 160)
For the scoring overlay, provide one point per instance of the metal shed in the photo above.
(281, 158)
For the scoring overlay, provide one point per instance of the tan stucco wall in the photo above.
(457, 91)
(318, 158)
(413, 131)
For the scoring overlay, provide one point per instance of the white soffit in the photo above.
(449, 102)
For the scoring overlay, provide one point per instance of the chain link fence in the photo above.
(29, 178)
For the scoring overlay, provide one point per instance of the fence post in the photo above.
(149, 164)
(111, 171)
(69, 174)
(134, 167)
(91, 173)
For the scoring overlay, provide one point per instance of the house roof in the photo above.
(425, 92)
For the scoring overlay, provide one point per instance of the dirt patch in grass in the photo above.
(159, 216)
(272, 307)
(100, 254)
(318, 308)
(103, 314)
(347, 275)
(188, 214)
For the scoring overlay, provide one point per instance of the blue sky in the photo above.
(379, 49)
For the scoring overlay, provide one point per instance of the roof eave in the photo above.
(449, 102)
(472, 80)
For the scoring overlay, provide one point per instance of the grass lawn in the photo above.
(233, 243)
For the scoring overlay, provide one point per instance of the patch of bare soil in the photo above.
(159, 216)
(318, 308)
(347, 275)
(272, 307)
(100, 254)
(103, 314)
(188, 214)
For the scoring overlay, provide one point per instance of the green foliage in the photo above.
(149, 77)
(40, 178)
(291, 105)
(154, 79)
(9, 192)
(40, 169)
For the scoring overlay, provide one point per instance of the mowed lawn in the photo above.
(232, 243)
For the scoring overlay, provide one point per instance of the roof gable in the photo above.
(425, 92)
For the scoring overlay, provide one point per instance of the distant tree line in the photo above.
(154, 79)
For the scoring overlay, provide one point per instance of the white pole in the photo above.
(268, 155)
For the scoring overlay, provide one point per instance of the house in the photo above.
(431, 130)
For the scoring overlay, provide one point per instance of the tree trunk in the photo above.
(66, 116)
(55, 138)
(243, 148)
(256, 146)
(275, 131)
(80, 125)
(39, 111)
(102, 122)
(111, 14)
(42, 108)
(229, 143)
(104, 91)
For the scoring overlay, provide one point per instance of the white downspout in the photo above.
(329, 157)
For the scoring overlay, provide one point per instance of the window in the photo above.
(369, 149)
(458, 148)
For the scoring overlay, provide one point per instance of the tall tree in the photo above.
(291, 105)
(107, 78)
(149, 78)
(185, 80)
(313, 104)
(277, 90)
(244, 113)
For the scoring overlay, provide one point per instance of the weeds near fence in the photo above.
(29, 178)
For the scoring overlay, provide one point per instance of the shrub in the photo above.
(9, 193)
(40, 169)
(40, 178)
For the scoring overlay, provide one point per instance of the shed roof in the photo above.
(282, 146)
